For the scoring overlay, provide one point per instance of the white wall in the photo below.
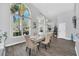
(4, 17)
(5, 22)
(59, 13)
(66, 17)
(77, 31)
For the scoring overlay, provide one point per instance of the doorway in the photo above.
(62, 30)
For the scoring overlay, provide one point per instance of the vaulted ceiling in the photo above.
(53, 9)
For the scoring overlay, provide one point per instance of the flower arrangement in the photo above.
(3, 35)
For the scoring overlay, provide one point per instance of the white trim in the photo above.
(7, 45)
(76, 51)
(11, 21)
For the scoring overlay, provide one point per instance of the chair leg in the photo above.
(50, 41)
(46, 47)
(29, 51)
(26, 48)
(49, 45)
(38, 47)
(39, 43)
(36, 52)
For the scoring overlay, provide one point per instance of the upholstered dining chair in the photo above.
(47, 42)
(51, 36)
(32, 46)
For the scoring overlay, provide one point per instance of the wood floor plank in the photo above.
(59, 47)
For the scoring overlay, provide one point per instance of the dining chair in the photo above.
(47, 42)
(26, 40)
(50, 35)
(32, 46)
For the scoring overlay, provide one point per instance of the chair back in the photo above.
(47, 38)
(30, 43)
(51, 35)
(26, 37)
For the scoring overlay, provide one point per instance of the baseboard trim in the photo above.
(7, 45)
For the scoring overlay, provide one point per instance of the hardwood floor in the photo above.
(59, 47)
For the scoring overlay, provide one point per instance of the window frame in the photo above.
(11, 22)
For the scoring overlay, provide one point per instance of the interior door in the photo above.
(62, 30)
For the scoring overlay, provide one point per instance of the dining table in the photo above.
(37, 38)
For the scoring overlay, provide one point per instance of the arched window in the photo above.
(20, 19)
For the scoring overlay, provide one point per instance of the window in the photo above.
(20, 19)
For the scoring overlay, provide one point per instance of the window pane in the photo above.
(16, 25)
(26, 26)
(20, 14)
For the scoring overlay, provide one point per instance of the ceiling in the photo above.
(53, 9)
